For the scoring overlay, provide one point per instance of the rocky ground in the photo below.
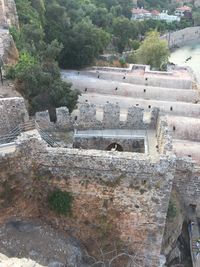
(39, 242)
(7, 89)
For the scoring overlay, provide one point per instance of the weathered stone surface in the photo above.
(41, 243)
(127, 182)
(12, 113)
(111, 115)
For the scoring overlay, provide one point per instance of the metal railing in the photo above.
(46, 137)
(12, 135)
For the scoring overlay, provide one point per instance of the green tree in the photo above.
(86, 42)
(153, 51)
(124, 30)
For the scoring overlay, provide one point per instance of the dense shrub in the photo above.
(60, 202)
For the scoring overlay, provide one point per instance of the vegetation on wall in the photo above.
(60, 202)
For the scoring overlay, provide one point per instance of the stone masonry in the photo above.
(12, 113)
(135, 187)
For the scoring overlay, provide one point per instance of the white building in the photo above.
(168, 18)
(143, 14)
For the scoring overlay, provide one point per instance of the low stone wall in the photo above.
(182, 37)
(12, 113)
(130, 190)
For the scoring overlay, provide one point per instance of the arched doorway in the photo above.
(114, 147)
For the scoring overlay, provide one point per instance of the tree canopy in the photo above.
(153, 51)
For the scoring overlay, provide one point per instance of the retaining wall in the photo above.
(182, 37)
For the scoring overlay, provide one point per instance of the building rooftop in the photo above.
(184, 8)
(140, 11)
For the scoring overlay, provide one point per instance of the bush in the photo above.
(60, 202)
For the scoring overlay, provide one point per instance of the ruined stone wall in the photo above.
(12, 113)
(86, 118)
(187, 182)
(182, 37)
(130, 190)
(136, 145)
(164, 138)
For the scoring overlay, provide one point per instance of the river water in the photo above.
(180, 55)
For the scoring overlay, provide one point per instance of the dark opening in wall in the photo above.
(116, 88)
(149, 106)
(171, 108)
(137, 105)
(124, 78)
(98, 76)
(174, 128)
(86, 100)
(76, 118)
(144, 90)
(86, 89)
(52, 115)
(146, 79)
(114, 147)
(189, 156)
(78, 72)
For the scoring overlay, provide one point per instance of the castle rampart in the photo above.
(135, 187)
(182, 37)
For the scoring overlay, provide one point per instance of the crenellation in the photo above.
(135, 117)
(87, 115)
(111, 115)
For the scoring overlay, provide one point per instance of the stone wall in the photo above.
(133, 144)
(12, 113)
(86, 117)
(131, 191)
(187, 182)
(142, 75)
(182, 37)
(164, 139)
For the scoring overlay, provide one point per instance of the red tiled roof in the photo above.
(155, 12)
(139, 11)
(184, 8)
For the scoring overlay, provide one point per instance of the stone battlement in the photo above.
(86, 117)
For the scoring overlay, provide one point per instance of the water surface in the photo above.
(192, 50)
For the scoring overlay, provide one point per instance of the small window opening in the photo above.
(144, 90)
(174, 128)
(149, 106)
(116, 88)
(75, 118)
(171, 108)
